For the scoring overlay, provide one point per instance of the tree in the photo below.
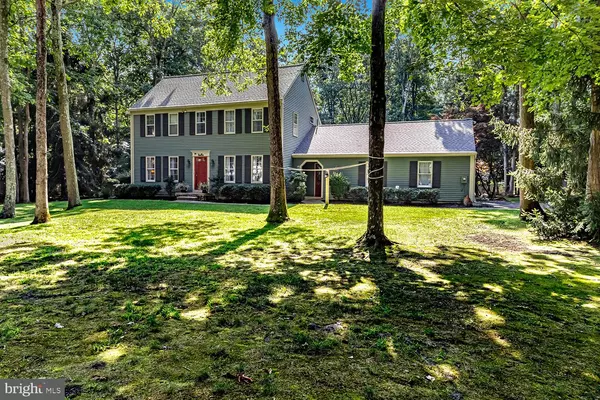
(10, 198)
(63, 103)
(42, 213)
(527, 203)
(24, 122)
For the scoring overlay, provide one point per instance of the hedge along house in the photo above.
(200, 137)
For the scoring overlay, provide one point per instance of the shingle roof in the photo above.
(414, 137)
(181, 91)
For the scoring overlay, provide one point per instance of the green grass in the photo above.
(172, 301)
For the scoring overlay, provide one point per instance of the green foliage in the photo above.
(296, 186)
(8, 331)
(561, 219)
(410, 195)
(170, 186)
(130, 191)
(339, 185)
(245, 193)
(590, 221)
(358, 194)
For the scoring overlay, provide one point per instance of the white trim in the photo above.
(262, 159)
(169, 124)
(322, 169)
(200, 153)
(146, 125)
(472, 178)
(430, 174)
(146, 169)
(262, 120)
(225, 121)
(169, 168)
(225, 169)
(196, 113)
(453, 154)
(295, 124)
(131, 152)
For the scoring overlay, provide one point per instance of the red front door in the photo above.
(200, 172)
(318, 175)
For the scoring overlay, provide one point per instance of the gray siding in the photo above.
(298, 100)
(453, 169)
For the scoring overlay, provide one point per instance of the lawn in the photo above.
(158, 300)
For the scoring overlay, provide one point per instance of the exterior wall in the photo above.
(454, 168)
(214, 145)
(297, 100)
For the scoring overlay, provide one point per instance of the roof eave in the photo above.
(346, 155)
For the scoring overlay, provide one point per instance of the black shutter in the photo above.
(248, 118)
(181, 169)
(362, 170)
(142, 126)
(181, 124)
(437, 174)
(267, 169)
(239, 160)
(192, 123)
(157, 125)
(385, 174)
(165, 124)
(142, 169)
(238, 120)
(221, 169)
(266, 116)
(165, 167)
(247, 169)
(209, 123)
(412, 175)
(221, 122)
(158, 170)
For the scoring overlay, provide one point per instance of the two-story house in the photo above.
(179, 130)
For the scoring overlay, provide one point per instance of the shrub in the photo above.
(429, 196)
(406, 195)
(358, 194)
(390, 195)
(128, 191)
(296, 187)
(561, 218)
(590, 222)
(182, 187)
(108, 187)
(245, 193)
(170, 186)
(339, 185)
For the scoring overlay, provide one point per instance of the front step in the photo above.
(187, 196)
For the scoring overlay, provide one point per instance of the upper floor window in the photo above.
(229, 169)
(257, 120)
(150, 125)
(425, 174)
(257, 169)
(229, 121)
(201, 123)
(150, 169)
(174, 168)
(295, 124)
(312, 120)
(173, 124)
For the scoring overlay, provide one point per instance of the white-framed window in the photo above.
(257, 169)
(425, 174)
(173, 125)
(150, 169)
(229, 121)
(174, 168)
(201, 123)
(295, 124)
(229, 169)
(150, 125)
(257, 120)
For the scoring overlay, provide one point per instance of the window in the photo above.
(201, 123)
(312, 120)
(150, 169)
(173, 124)
(257, 169)
(257, 120)
(229, 169)
(425, 174)
(150, 125)
(174, 168)
(229, 121)
(295, 124)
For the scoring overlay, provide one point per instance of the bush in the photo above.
(429, 196)
(245, 193)
(560, 219)
(339, 185)
(170, 186)
(108, 187)
(590, 223)
(128, 191)
(409, 195)
(358, 194)
(296, 187)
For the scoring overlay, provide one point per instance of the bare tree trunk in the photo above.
(527, 122)
(42, 213)
(593, 173)
(505, 168)
(10, 166)
(24, 155)
(513, 166)
(278, 211)
(63, 106)
(375, 237)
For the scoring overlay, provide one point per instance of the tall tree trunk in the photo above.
(278, 211)
(42, 213)
(513, 167)
(526, 122)
(24, 155)
(505, 168)
(10, 166)
(593, 173)
(63, 106)
(375, 237)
